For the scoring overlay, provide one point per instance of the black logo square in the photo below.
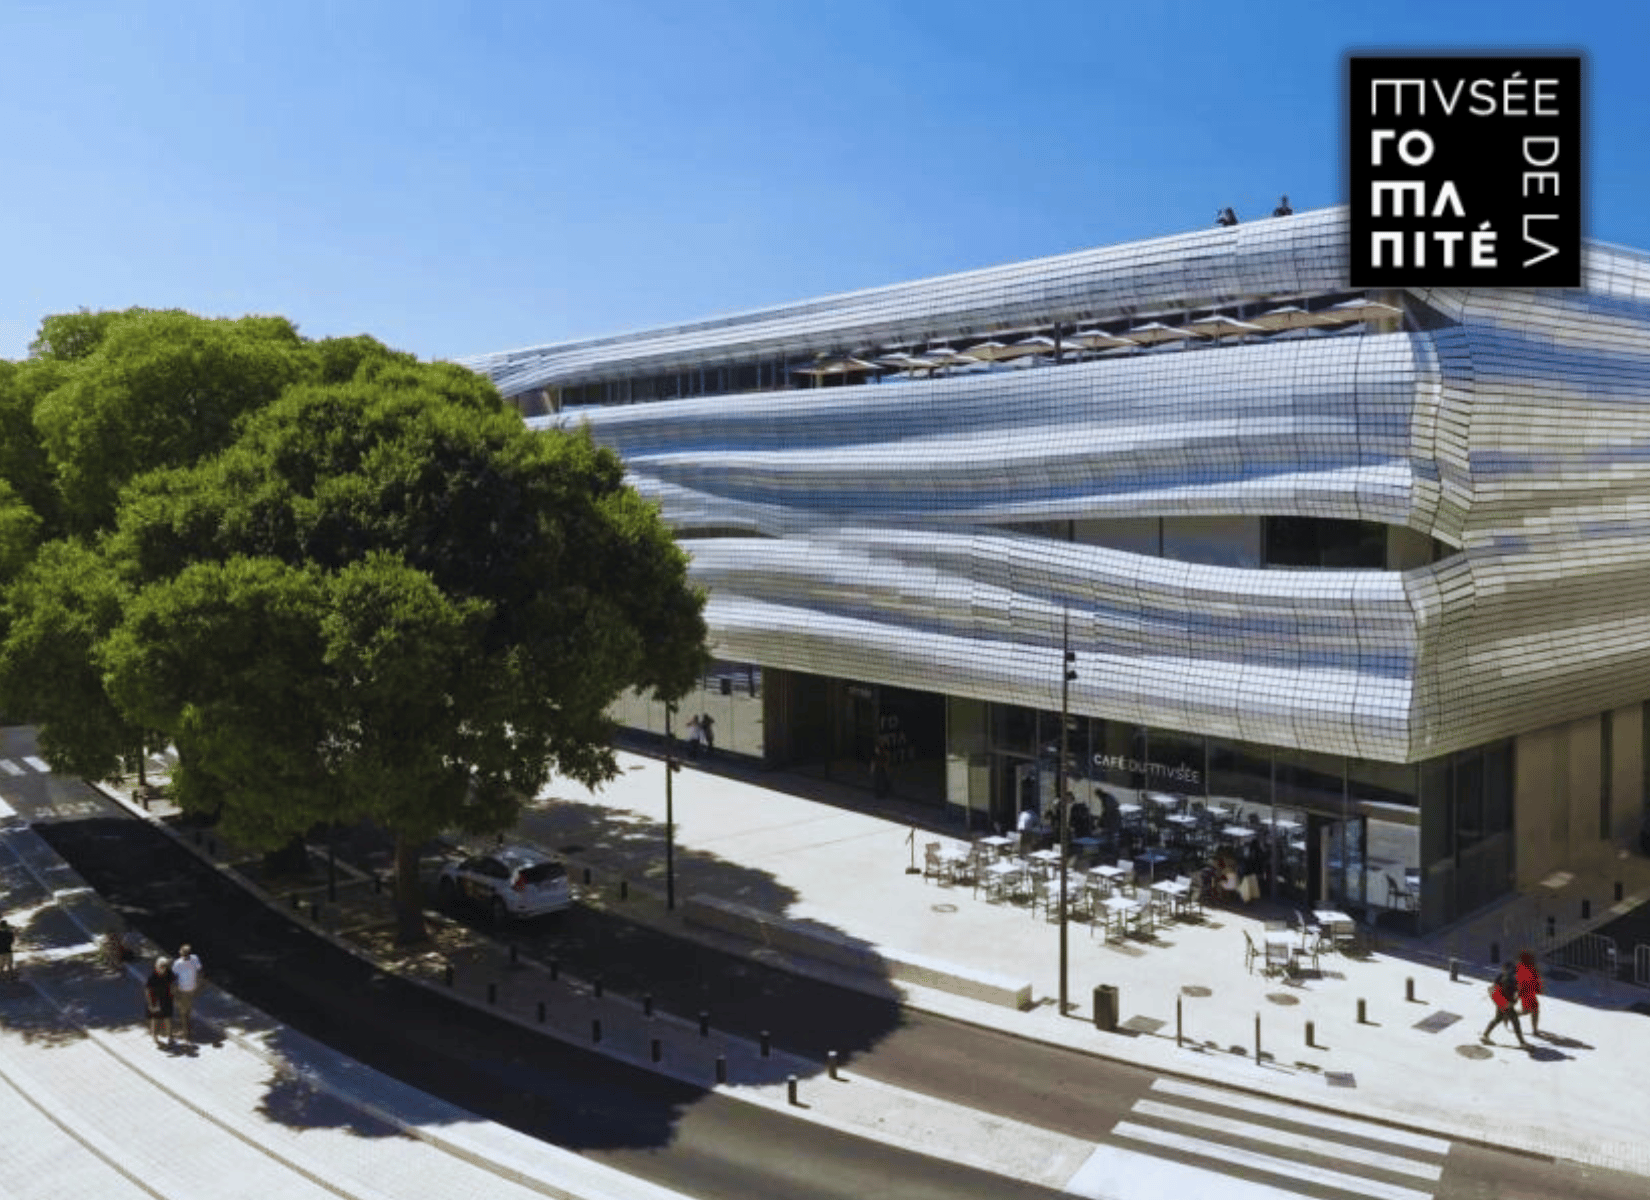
(1464, 172)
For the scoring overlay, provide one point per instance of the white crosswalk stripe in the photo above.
(9, 767)
(39, 764)
(1160, 1134)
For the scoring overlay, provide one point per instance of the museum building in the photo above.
(1367, 572)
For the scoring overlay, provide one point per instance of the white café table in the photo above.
(999, 842)
(1337, 926)
(1050, 857)
(1176, 892)
(1121, 909)
(1237, 833)
(1128, 810)
(999, 874)
(1184, 820)
(1285, 825)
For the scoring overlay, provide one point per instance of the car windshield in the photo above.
(543, 872)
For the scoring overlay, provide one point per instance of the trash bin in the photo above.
(1106, 1007)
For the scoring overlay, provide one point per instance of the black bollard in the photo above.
(704, 1024)
(315, 911)
(492, 993)
(1363, 1013)
(197, 837)
(297, 902)
(1257, 1039)
(624, 889)
(597, 986)
(212, 851)
(721, 1068)
(647, 1006)
(587, 874)
(1618, 891)
(447, 975)
(1586, 909)
(1455, 970)
(1179, 1023)
(595, 1029)
(377, 884)
(1409, 989)
(1311, 1039)
(790, 1088)
(515, 954)
(830, 1064)
(555, 969)
(658, 1049)
(1552, 927)
(766, 1040)
(1495, 952)
(541, 1012)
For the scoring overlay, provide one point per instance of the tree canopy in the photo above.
(345, 584)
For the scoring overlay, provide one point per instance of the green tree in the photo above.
(388, 600)
(24, 463)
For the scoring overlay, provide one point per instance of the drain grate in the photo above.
(1340, 1079)
(1437, 1022)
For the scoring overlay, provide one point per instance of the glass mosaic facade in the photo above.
(1318, 542)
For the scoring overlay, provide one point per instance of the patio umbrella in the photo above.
(1218, 327)
(1155, 331)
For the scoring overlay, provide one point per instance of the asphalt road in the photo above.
(683, 1137)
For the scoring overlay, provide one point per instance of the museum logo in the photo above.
(1464, 172)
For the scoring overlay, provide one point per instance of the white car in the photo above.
(512, 881)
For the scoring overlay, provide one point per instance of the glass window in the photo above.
(1238, 771)
(1013, 729)
(1176, 764)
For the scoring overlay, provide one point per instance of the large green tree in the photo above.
(388, 600)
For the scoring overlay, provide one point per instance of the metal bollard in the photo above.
(658, 1049)
(1179, 1023)
(790, 1088)
(830, 1064)
(704, 1024)
(515, 954)
(297, 902)
(1409, 989)
(1455, 970)
(598, 985)
(624, 889)
(315, 911)
(447, 975)
(1311, 1035)
(1618, 891)
(587, 875)
(541, 1012)
(721, 1068)
(595, 1029)
(1495, 952)
(1586, 909)
(1257, 1039)
(647, 1005)
(555, 969)
(1552, 927)
(377, 884)
(766, 1040)
(1363, 1013)
(492, 993)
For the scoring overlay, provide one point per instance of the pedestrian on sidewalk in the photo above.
(186, 972)
(157, 999)
(707, 731)
(1504, 991)
(695, 736)
(1529, 988)
(8, 943)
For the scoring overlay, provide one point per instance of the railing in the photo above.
(1588, 952)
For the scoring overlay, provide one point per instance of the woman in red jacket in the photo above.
(1529, 987)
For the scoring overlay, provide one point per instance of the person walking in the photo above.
(1529, 988)
(707, 730)
(8, 943)
(1504, 991)
(695, 736)
(157, 999)
(186, 972)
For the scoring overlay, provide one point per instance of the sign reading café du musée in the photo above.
(1464, 171)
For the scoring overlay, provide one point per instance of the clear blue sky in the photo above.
(462, 177)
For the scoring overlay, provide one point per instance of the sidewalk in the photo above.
(1417, 1062)
(90, 1106)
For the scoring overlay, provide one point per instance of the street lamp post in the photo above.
(1067, 674)
(670, 813)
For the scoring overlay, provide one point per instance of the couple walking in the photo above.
(1516, 985)
(170, 992)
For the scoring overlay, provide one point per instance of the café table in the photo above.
(1285, 825)
(1151, 858)
(1000, 843)
(1175, 892)
(1237, 833)
(1284, 943)
(1336, 925)
(1048, 858)
(1184, 820)
(1120, 910)
(1001, 875)
(1128, 810)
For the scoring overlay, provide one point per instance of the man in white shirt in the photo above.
(186, 970)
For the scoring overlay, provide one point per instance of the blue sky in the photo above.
(462, 177)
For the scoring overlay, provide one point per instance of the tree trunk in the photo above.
(409, 895)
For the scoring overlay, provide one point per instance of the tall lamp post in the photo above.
(670, 812)
(1067, 674)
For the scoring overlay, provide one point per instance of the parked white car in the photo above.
(512, 881)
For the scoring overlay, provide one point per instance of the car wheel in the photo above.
(448, 894)
(499, 911)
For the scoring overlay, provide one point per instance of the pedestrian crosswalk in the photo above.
(34, 762)
(1197, 1140)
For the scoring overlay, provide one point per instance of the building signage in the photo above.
(1161, 772)
(1464, 172)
